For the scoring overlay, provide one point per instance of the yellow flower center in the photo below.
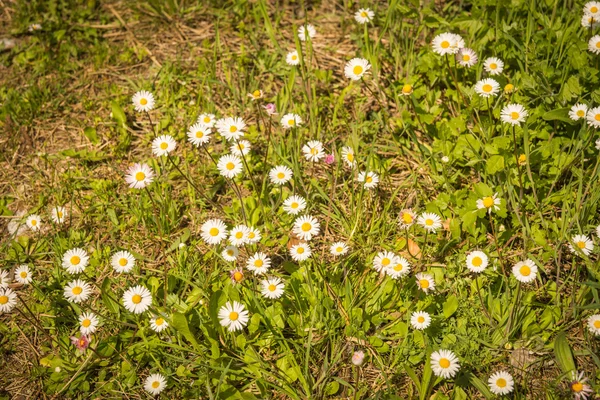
(420, 319)
(385, 262)
(444, 363)
(407, 218)
(477, 261)
(306, 227)
(123, 262)
(294, 205)
(206, 120)
(233, 128)
(522, 159)
(155, 384)
(581, 245)
(300, 250)
(140, 176)
(339, 249)
(597, 323)
(314, 151)
(577, 387)
(199, 134)
(357, 70)
(143, 101)
(33, 222)
(164, 145)
(514, 115)
(445, 44)
(525, 270)
(77, 290)
(399, 267)
(598, 45)
(136, 299)
(369, 179)
(233, 316)
(256, 93)
(487, 88)
(488, 202)
(239, 235)
(75, 260)
(493, 66)
(294, 57)
(291, 122)
(23, 274)
(86, 322)
(407, 89)
(580, 113)
(258, 263)
(509, 88)
(428, 222)
(59, 214)
(350, 157)
(364, 14)
(424, 283)
(230, 166)
(251, 235)
(597, 116)
(594, 9)
(159, 321)
(237, 276)
(3, 299)
(272, 288)
(213, 231)
(81, 342)
(501, 382)
(280, 175)
(466, 57)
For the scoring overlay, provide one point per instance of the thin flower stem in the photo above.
(190, 182)
(485, 310)
(455, 82)
(500, 259)
(239, 194)
(151, 125)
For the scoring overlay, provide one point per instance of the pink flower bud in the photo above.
(81, 342)
(329, 159)
(270, 108)
(358, 357)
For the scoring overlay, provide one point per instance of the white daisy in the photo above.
(143, 101)
(163, 145)
(256, 95)
(280, 175)
(513, 114)
(444, 364)
(214, 231)
(238, 235)
(254, 235)
(294, 205)
(88, 322)
(581, 243)
(313, 151)
(34, 222)
(489, 202)
(229, 165)
(259, 263)
(59, 214)
(477, 261)
(589, 21)
(122, 261)
(430, 221)
(348, 156)
(4, 279)
(593, 324)
(75, 260)
(199, 134)
(300, 252)
(291, 121)
(370, 179)
(578, 111)
(493, 65)
(364, 15)
(139, 176)
(581, 390)
(420, 320)
(425, 282)
(158, 323)
(306, 32)
(466, 57)
(525, 271)
(231, 128)
(501, 383)
(598, 231)
(137, 299)
(206, 120)
(230, 253)
(487, 87)
(406, 218)
(306, 227)
(23, 275)
(593, 117)
(77, 291)
(8, 300)
(383, 260)
(447, 43)
(338, 249)
(234, 316)
(272, 288)
(154, 384)
(399, 268)
(594, 44)
(592, 8)
(240, 148)
(356, 68)
(292, 58)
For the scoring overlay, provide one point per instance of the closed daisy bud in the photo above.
(420, 320)
(229, 166)
(501, 383)
(444, 364)
(154, 384)
(292, 58)
(270, 108)
(509, 88)
(370, 179)
(233, 316)
(578, 111)
(425, 282)
(22, 275)
(364, 15)
(513, 114)
(81, 343)
(493, 65)
(199, 134)
(466, 57)
(206, 120)
(139, 176)
(407, 90)
(272, 288)
(358, 357)
(213, 231)
(143, 101)
(356, 68)
(487, 87)
(306, 32)
(581, 243)
(525, 271)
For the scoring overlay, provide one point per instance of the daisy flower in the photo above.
(139, 176)
(370, 179)
(525, 271)
(579, 387)
(430, 222)
(593, 117)
(313, 151)
(425, 282)
(407, 90)
(8, 300)
(23, 275)
(231, 128)
(582, 243)
(490, 203)
(280, 175)
(598, 229)
(75, 260)
(137, 299)
(578, 111)
(399, 268)
(259, 263)
(487, 87)
(291, 120)
(477, 261)
(34, 27)
(256, 95)
(230, 253)
(292, 58)
(348, 156)
(420, 320)
(254, 235)
(34, 222)
(383, 260)
(59, 214)
(272, 288)
(229, 165)
(306, 32)
(356, 68)
(143, 101)
(214, 231)
(154, 384)
(589, 21)
(501, 383)
(513, 114)
(270, 108)
(158, 324)
(592, 8)
(444, 364)
(358, 357)
(163, 145)
(238, 235)
(493, 65)
(199, 134)
(447, 43)
(509, 88)
(80, 343)
(593, 324)
(236, 275)
(234, 316)
(77, 291)
(406, 218)
(88, 322)
(4, 279)
(206, 120)
(364, 15)
(122, 261)
(466, 57)
(300, 252)
(306, 227)
(294, 204)
(594, 44)
(240, 148)
(338, 249)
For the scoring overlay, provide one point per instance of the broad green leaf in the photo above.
(563, 353)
